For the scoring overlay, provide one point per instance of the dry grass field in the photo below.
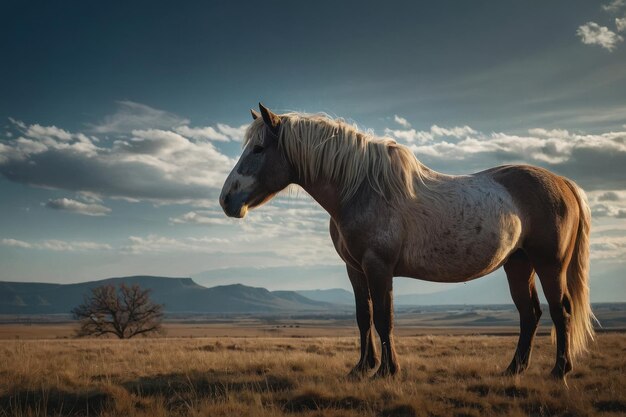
(442, 375)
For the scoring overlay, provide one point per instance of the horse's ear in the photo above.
(255, 114)
(271, 120)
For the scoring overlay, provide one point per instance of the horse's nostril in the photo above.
(226, 199)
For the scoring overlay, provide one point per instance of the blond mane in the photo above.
(322, 147)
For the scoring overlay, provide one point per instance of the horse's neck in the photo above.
(326, 194)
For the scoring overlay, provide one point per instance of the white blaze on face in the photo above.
(236, 182)
(238, 187)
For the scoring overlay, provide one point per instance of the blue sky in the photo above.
(120, 121)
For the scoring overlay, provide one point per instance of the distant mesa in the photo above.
(185, 295)
(180, 295)
(332, 295)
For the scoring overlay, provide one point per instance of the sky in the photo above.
(119, 122)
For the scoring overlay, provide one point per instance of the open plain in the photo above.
(284, 369)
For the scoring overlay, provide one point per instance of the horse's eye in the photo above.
(257, 149)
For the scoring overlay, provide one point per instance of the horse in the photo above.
(390, 215)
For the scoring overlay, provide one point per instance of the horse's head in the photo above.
(262, 169)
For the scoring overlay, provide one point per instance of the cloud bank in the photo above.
(595, 161)
(177, 164)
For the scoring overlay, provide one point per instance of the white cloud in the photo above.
(620, 24)
(65, 246)
(16, 243)
(611, 203)
(18, 123)
(593, 34)
(609, 196)
(202, 217)
(410, 135)
(607, 210)
(234, 133)
(223, 132)
(132, 116)
(154, 142)
(207, 132)
(423, 136)
(552, 133)
(401, 121)
(74, 206)
(39, 132)
(608, 247)
(614, 6)
(89, 197)
(57, 245)
(455, 132)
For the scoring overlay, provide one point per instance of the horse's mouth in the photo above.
(238, 207)
(238, 214)
(234, 205)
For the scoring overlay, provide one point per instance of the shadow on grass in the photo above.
(54, 402)
(313, 401)
(402, 410)
(510, 391)
(182, 390)
(610, 406)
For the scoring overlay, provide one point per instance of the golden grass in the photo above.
(441, 376)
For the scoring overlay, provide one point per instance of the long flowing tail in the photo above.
(582, 318)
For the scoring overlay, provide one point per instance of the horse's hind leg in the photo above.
(553, 282)
(369, 357)
(521, 277)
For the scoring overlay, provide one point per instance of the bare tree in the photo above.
(124, 312)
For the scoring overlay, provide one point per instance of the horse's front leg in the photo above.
(380, 281)
(369, 357)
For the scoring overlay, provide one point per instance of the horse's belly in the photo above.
(461, 256)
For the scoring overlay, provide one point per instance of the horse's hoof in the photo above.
(385, 372)
(509, 372)
(561, 370)
(514, 369)
(357, 373)
(380, 375)
(360, 371)
(558, 374)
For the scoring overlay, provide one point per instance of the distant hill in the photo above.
(332, 295)
(277, 277)
(180, 295)
(184, 295)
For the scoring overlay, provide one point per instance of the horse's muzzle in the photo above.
(234, 204)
